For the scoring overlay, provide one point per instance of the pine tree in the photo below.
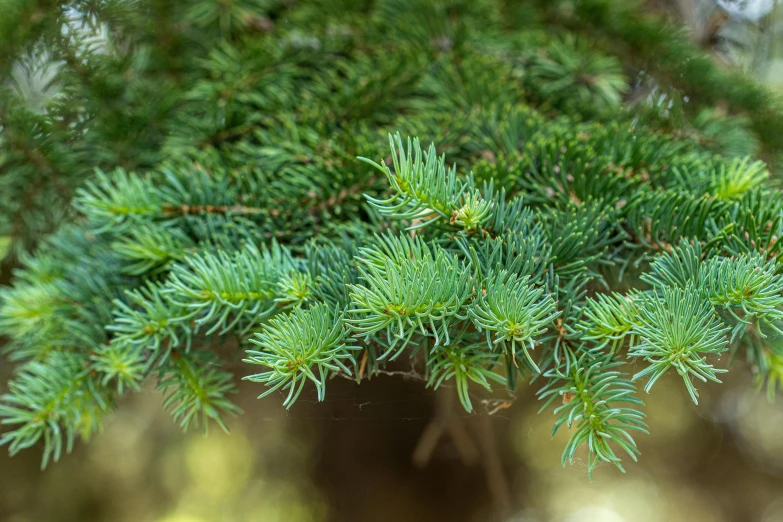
(559, 194)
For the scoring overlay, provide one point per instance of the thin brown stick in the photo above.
(445, 421)
(493, 467)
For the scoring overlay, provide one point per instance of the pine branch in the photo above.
(677, 330)
(304, 345)
(195, 391)
(598, 402)
(563, 218)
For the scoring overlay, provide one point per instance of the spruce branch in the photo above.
(149, 248)
(463, 364)
(724, 180)
(306, 344)
(728, 134)
(515, 312)
(659, 219)
(145, 321)
(738, 177)
(579, 235)
(610, 319)
(523, 252)
(566, 71)
(125, 366)
(425, 190)
(678, 267)
(678, 329)
(195, 390)
(119, 200)
(403, 297)
(229, 290)
(600, 404)
(747, 284)
(53, 400)
(228, 200)
(765, 358)
(29, 308)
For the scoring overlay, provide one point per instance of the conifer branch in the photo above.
(562, 221)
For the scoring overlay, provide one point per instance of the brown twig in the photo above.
(445, 421)
(493, 467)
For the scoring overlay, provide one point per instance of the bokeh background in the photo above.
(351, 459)
(358, 456)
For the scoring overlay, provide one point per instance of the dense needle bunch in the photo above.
(499, 191)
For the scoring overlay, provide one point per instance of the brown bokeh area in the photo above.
(350, 458)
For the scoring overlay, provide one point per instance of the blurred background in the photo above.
(351, 459)
(391, 450)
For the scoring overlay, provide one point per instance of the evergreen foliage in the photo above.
(578, 203)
